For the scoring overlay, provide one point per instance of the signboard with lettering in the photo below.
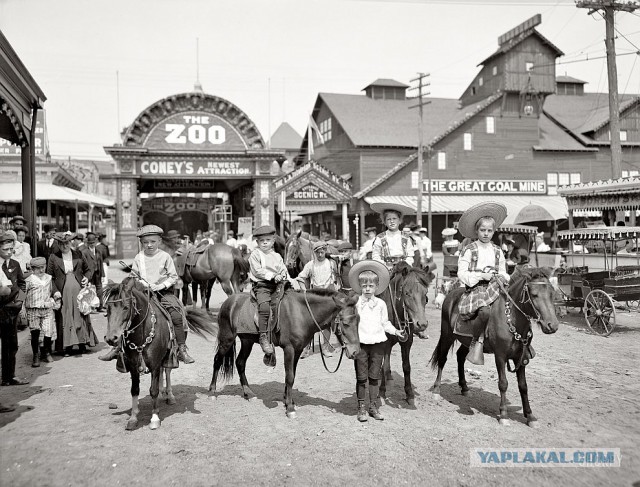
(245, 226)
(194, 168)
(313, 166)
(194, 130)
(41, 140)
(171, 206)
(310, 192)
(500, 186)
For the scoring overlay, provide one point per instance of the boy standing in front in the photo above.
(267, 270)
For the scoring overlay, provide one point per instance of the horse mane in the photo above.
(240, 264)
(115, 290)
(423, 276)
(322, 292)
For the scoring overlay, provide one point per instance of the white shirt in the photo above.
(4, 279)
(366, 248)
(320, 274)
(232, 242)
(424, 244)
(394, 241)
(374, 320)
(543, 247)
(486, 258)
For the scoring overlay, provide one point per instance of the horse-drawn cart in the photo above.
(600, 293)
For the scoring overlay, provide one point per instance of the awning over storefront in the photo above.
(310, 209)
(556, 205)
(12, 192)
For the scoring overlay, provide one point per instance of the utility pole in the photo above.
(422, 84)
(610, 7)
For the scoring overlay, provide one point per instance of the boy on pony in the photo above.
(267, 271)
(158, 272)
(482, 269)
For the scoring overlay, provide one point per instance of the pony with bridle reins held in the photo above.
(297, 252)
(529, 297)
(301, 314)
(406, 301)
(137, 321)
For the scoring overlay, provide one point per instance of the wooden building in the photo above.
(516, 134)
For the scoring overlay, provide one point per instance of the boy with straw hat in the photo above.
(481, 267)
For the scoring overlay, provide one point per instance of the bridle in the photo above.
(339, 331)
(406, 324)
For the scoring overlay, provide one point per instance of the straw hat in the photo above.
(468, 220)
(449, 231)
(369, 265)
(400, 208)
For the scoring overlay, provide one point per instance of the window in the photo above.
(555, 179)
(630, 174)
(623, 136)
(575, 177)
(325, 129)
(480, 81)
(491, 125)
(528, 66)
(495, 70)
(468, 141)
(442, 161)
(473, 90)
(414, 179)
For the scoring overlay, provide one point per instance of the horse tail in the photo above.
(447, 338)
(225, 338)
(201, 323)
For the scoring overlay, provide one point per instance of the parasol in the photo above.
(533, 213)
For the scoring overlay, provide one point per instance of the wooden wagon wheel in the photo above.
(599, 313)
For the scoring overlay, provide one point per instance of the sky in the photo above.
(271, 58)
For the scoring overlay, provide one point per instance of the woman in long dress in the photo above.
(70, 273)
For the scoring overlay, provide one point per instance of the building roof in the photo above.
(387, 82)
(285, 137)
(514, 41)
(553, 137)
(389, 123)
(569, 79)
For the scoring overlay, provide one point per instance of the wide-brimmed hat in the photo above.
(468, 220)
(345, 246)
(64, 237)
(38, 262)
(172, 234)
(149, 230)
(369, 265)
(264, 231)
(18, 218)
(449, 231)
(370, 229)
(320, 244)
(397, 207)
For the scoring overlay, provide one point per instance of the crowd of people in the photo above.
(53, 293)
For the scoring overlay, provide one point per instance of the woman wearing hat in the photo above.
(391, 247)
(70, 272)
(450, 245)
(481, 267)
(22, 250)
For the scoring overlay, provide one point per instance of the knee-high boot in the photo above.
(374, 389)
(35, 346)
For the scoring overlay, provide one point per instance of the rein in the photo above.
(404, 325)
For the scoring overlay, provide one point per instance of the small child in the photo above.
(41, 299)
(368, 278)
(267, 270)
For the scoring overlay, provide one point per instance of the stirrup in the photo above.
(476, 352)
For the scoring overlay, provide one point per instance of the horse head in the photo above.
(536, 294)
(121, 308)
(409, 287)
(348, 319)
(298, 251)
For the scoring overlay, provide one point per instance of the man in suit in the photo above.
(93, 256)
(11, 283)
(47, 245)
(78, 242)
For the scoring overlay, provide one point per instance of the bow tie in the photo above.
(371, 303)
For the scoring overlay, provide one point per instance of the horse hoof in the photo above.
(436, 396)
(464, 392)
(411, 402)
(131, 425)
(171, 400)
(291, 414)
(533, 424)
(504, 422)
(154, 425)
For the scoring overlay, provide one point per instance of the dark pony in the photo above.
(137, 321)
(508, 334)
(406, 299)
(297, 252)
(300, 316)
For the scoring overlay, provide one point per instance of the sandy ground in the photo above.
(583, 389)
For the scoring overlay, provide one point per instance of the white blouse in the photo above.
(486, 258)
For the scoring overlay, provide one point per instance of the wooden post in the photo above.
(345, 222)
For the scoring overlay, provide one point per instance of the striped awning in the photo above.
(556, 205)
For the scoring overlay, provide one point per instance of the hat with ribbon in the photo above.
(64, 237)
(320, 245)
(148, 230)
(369, 265)
(38, 262)
(468, 220)
(263, 231)
(449, 231)
(18, 218)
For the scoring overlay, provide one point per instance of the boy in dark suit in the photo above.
(48, 245)
(93, 256)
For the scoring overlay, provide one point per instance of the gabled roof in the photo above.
(389, 123)
(583, 114)
(514, 41)
(387, 82)
(553, 137)
(285, 137)
(569, 79)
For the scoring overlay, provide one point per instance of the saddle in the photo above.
(250, 321)
(193, 253)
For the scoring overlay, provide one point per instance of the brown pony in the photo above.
(508, 333)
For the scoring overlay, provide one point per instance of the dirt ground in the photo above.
(583, 389)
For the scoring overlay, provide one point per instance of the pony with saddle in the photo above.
(300, 315)
(528, 298)
(406, 300)
(137, 320)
